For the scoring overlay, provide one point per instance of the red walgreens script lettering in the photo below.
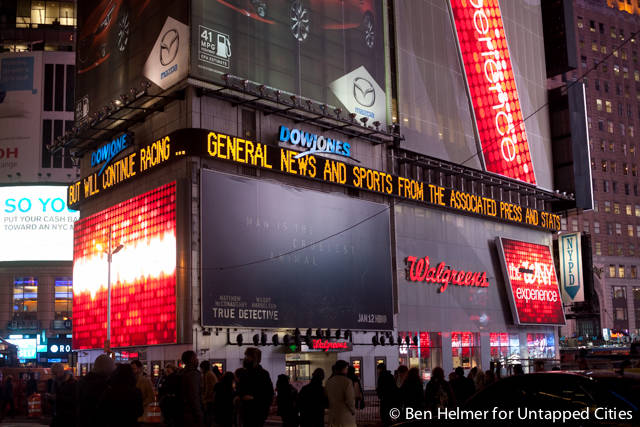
(420, 271)
(492, 87)
(327, 345)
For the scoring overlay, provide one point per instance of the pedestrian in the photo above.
(411, 392)
(209, 381)
(168, 395)
(63, 397)
(255, 390)
(144, 385)
(32, 384)
(121, 403)
(438, 393)
(341, 395)
(90, 388)
(286, 399)
(357, 387)
(7, 397)
(478, 380)
(191, 391)
(462, 386)
(401, 374)
(387, 393)
(517, 369)
(216, 372)
(312, 401)
(223, 403)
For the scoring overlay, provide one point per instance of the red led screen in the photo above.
(492, 86)
(532, 283)
(143, 273)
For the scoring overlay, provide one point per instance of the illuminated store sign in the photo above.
(419, 270)
(242, 151)
(143, 273)
(492, 87)
(326, 345)
(313, 143)
(532, 284)
(106, 153)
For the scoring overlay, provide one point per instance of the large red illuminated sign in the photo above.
(531, 282)
(326, 345)
(143, 273)
(492, 87)
(419, 270)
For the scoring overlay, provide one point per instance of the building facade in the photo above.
(607, 45)
(316, 193)
(37, 77)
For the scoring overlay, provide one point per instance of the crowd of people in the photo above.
(199, 395)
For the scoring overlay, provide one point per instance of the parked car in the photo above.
(303, 16)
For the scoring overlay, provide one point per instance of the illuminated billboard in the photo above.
(492, 87)
(122, 43)
(532, 284)
(35, 224)
(331, 51)
(280, 256)
(143, 273)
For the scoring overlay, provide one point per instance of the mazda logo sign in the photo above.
(169, 47)
(363, 92)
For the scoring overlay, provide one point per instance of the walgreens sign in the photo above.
(492, 88)
(532, 284)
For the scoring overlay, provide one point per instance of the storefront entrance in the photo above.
(300, 366)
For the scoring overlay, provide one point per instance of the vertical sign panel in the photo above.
(492, 88)
(532, 284)
(571, 268)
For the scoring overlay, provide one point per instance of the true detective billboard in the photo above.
(280, 256)
(331, 51)
(122, 43)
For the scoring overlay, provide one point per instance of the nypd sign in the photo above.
(571, 279)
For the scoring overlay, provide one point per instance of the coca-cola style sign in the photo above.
(532, 284)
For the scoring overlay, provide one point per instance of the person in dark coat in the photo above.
(191, 391)
(168, 396)
(462, 386)
(64, 397)
(411, 392)
(286, 398)
(255, 390)
(224, 395)
(438, 393)
(357, 386)
(91, 387)
(387, 393)
(32, 384)
(121, 403)
(312, 401)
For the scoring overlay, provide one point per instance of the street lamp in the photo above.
(110, 254)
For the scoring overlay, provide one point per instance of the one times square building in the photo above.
(325, 180)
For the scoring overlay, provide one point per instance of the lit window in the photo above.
(616, 208)
(603, 49)
(63, 298)
(625, 169)
(621, 271)
(609, 126)
(592, 26)
(630, 230)
(628, 210)
(616, 69)
(607, 207)
(25, 297)
(585, 226)
(599, 104)
(612, 271)
(604, 165)
(596, 227)
(598, 248)
(574, 225)
(618, 229)
(608, 106)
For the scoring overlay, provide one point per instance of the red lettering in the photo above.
(10, 151)
(442, 275)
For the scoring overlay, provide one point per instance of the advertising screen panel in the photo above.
(329, 51)
(35, 224)
(279, 256)
(143, 272)
(532, 284)
(492, 86)
(20, 115)
(122, 43)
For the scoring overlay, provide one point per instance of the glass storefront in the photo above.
(505, 348)
(423, 352)
(465, 349)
